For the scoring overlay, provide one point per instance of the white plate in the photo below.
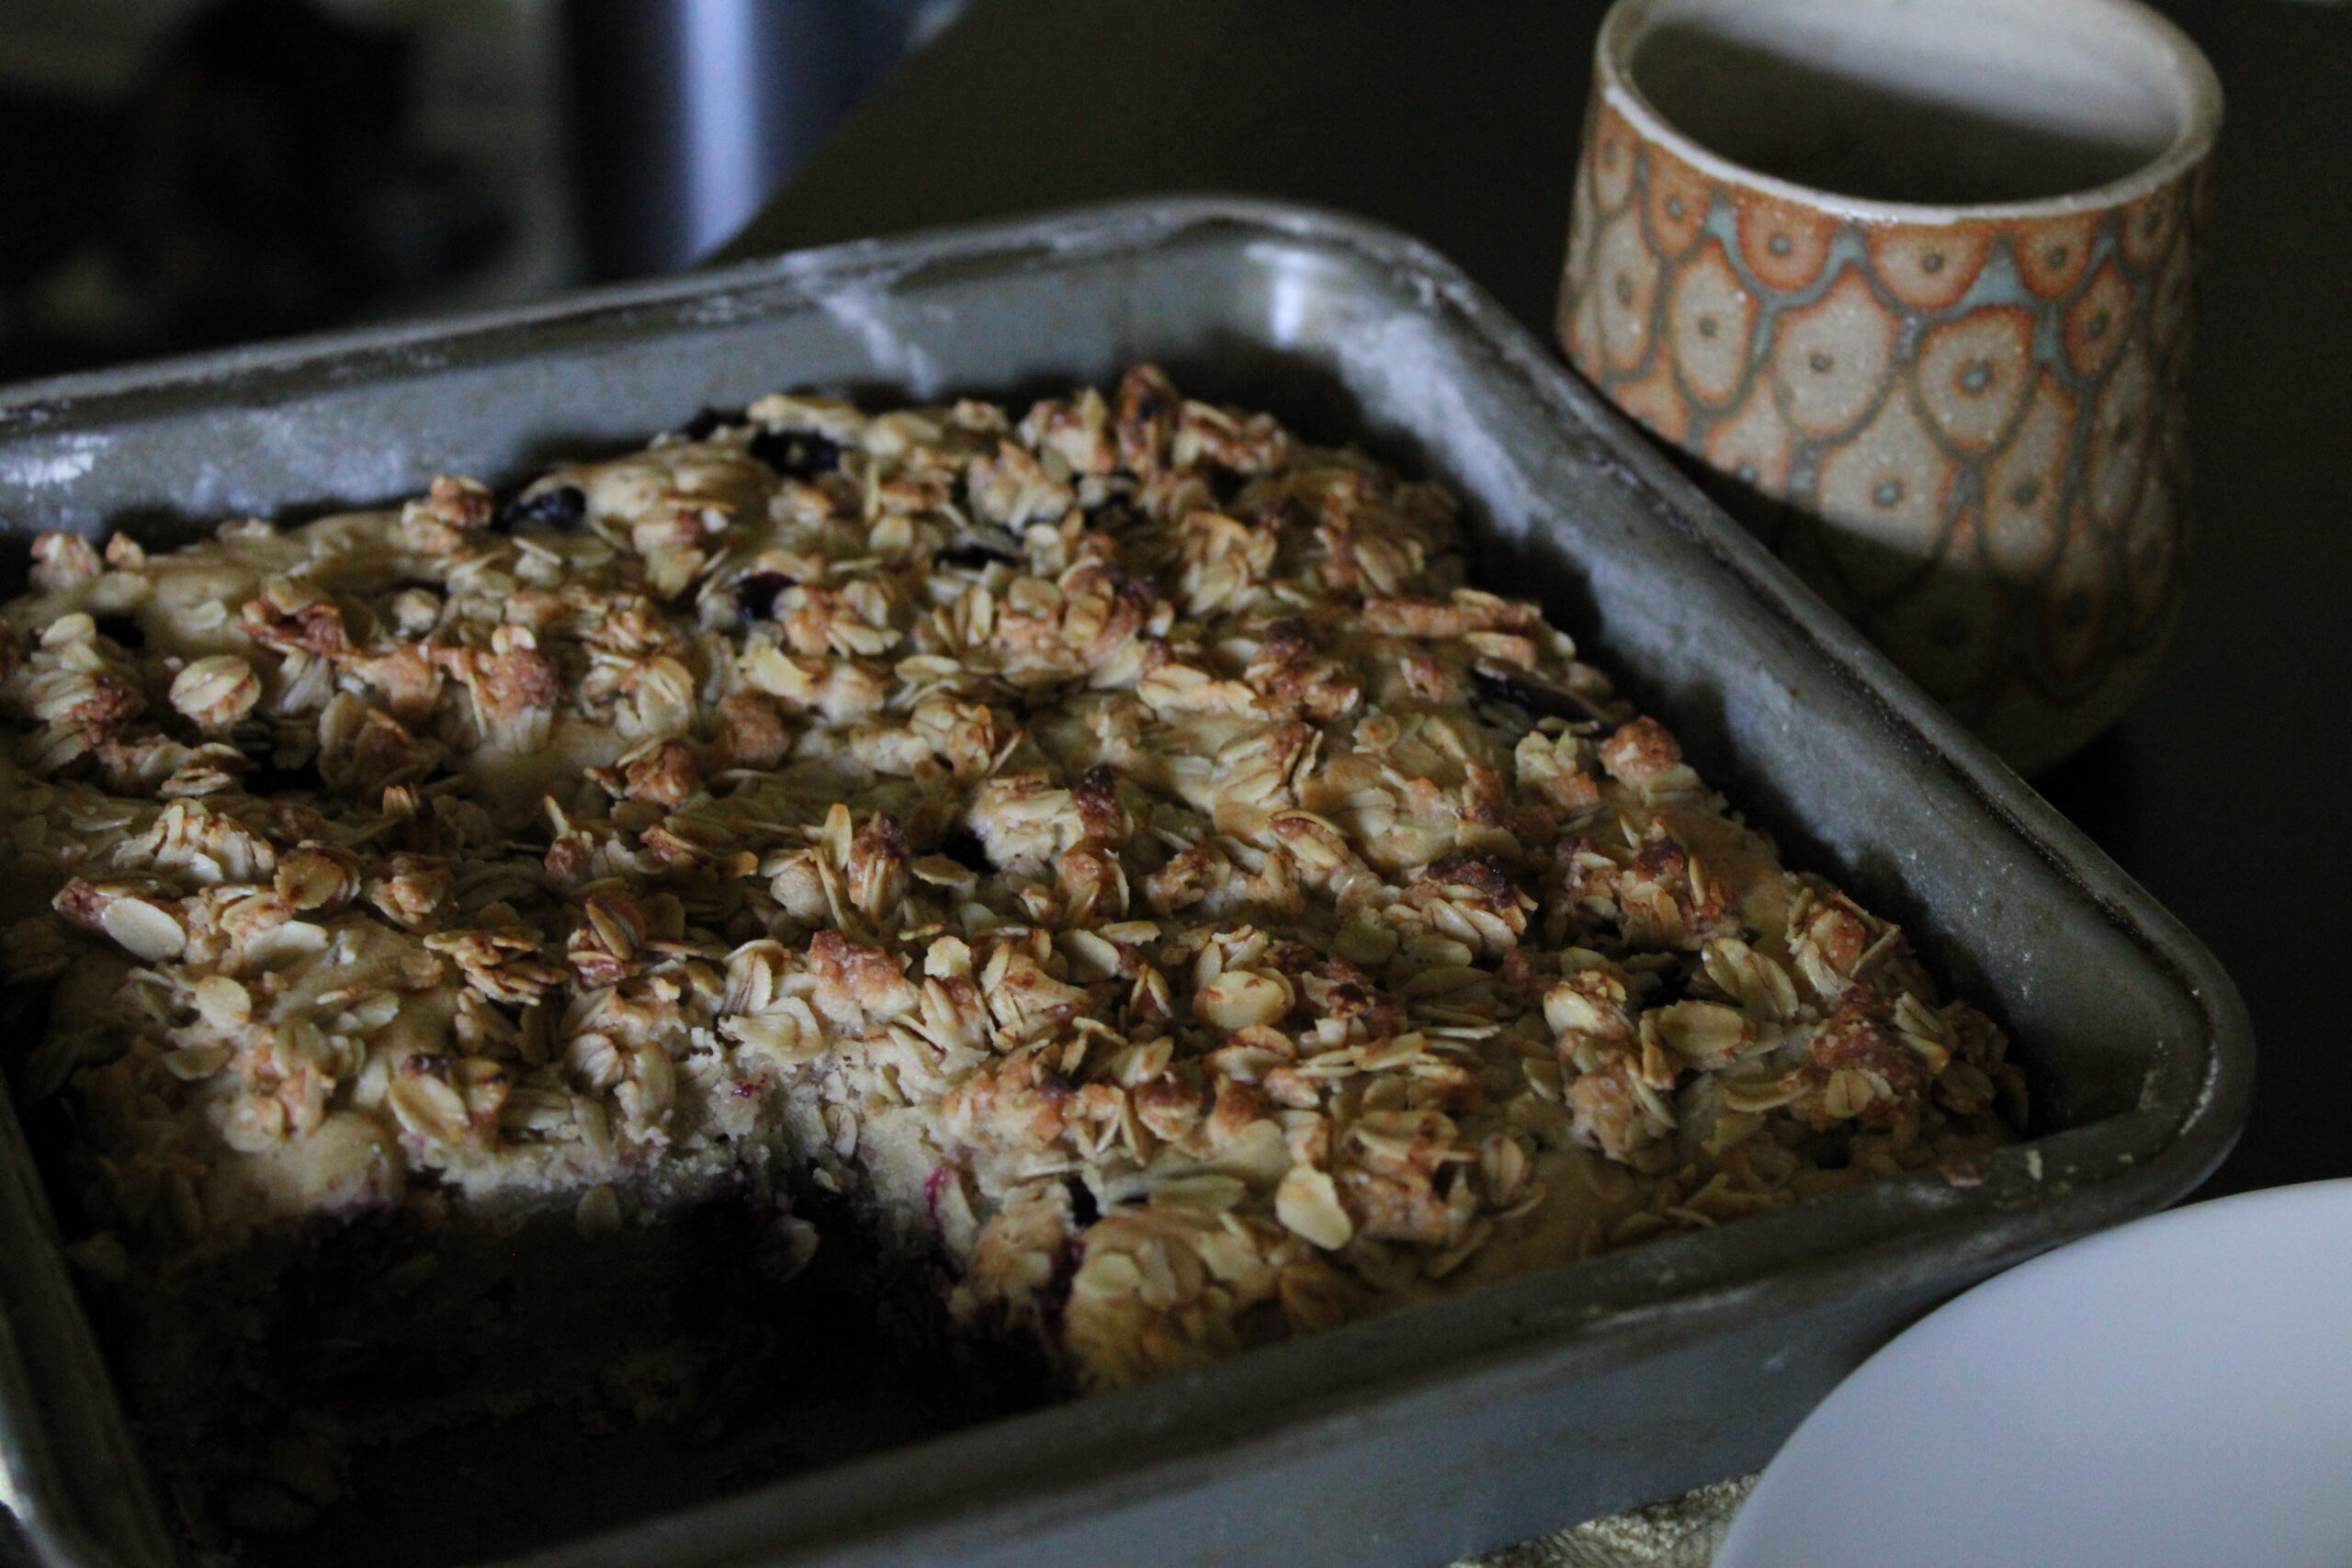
(2177, 1392)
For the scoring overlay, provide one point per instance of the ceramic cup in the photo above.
(1911, 279)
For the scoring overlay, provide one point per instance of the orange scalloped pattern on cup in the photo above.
(1975, 426)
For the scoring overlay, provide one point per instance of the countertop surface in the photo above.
(2223, 791)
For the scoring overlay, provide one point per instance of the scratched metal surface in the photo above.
(1409, 1439)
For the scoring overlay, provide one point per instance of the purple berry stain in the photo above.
(755, 593)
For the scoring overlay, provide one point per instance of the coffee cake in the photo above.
(1104, 855)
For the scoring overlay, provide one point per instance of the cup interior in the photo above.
(1935, 102)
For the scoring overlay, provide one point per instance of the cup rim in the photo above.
(1628, 22)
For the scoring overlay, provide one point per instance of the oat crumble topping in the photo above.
(1109, 842)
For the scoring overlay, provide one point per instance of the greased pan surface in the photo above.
(1400, 1440)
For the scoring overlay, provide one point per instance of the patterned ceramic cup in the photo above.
(1912, 279)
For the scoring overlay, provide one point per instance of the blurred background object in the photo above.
(687, 114)
(193, 172)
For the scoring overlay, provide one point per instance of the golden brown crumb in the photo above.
(973, 807)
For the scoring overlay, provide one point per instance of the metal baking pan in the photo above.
(1409, 1439)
